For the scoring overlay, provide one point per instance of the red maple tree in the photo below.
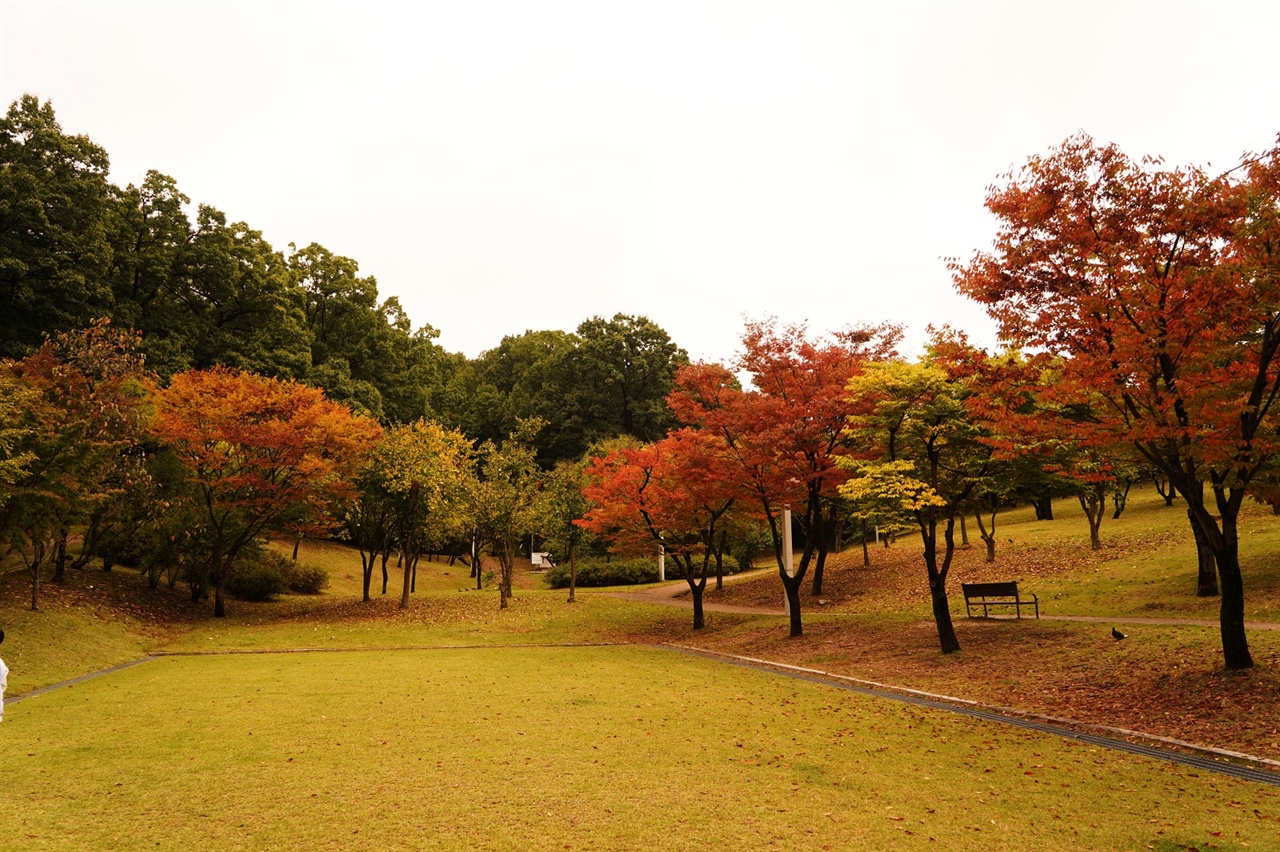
(675, 493)
(784, 433)
(1158, 291)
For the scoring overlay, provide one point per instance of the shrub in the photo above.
(307, 579)
(597, 572)
(259, 575)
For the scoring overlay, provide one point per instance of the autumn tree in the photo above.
(1157, 290)
(784, 434)
(417, 476)
(674, 494)
(255, 448)
(81, 397)
(922, 449)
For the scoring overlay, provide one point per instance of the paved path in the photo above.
(677, 594)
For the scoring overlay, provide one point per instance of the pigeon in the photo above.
(1117, 635)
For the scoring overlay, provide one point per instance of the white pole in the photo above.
(662, 564)
(788, 560)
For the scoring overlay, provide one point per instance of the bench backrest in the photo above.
(982, 590)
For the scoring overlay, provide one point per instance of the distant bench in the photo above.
(996, 594)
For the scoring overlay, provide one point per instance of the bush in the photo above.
(307, 579)
(259, 575)
(597, 572)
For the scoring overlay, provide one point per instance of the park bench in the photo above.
(996, 594)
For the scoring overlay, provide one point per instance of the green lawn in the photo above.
(525, 748)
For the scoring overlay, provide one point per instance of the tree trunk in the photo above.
(404, 592)
(938, 581)
(219, 590)
(1165, 489)
(386, 557)
(866, 554)
(297, 541)
(1120, 498)
(1226, 553)
(60, 558)
(1094, 503)
(573, 570)
(37, 560)
(1044, 507)
(1235, 646)
(791, 586)
(1206, 564)
(505, 557)
(988, 536)
(964, 532)
(699, 619)
(366, 571)
(724, 543)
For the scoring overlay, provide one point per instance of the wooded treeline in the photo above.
(205, 291)
(178, 381)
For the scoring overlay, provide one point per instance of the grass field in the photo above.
(454, 725)
(555, 748)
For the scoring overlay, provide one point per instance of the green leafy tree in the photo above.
(504, 499)
(54, 212)
(420, 471)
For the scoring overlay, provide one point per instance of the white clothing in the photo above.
(4, 684)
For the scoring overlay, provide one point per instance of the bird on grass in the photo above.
(1117, 635)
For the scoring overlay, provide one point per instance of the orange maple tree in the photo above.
(783, 435)
(256, 450)
(1157, 292)
(674, 493)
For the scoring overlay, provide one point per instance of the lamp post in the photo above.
(788, 559)
(662, 564)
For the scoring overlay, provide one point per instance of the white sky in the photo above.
(503, 166)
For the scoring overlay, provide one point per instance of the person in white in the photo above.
(4, 680)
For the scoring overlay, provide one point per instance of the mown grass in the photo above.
(610, 748)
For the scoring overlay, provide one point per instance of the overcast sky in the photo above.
(524, 165)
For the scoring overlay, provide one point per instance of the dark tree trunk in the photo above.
(1224, 540)
(1206, 564)
(1120, 498)
(791, 587)
(573, 571)
(407, 563)
(1166, 490)
(866, 554)
(297, 541)
(938, 579)
(1044, 507)
(60, 558)
(219, 590)
(386, 557)
(367, 559)
(720, 549)
(964, 532)
(1235, 646)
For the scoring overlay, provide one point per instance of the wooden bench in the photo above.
(996, 594)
